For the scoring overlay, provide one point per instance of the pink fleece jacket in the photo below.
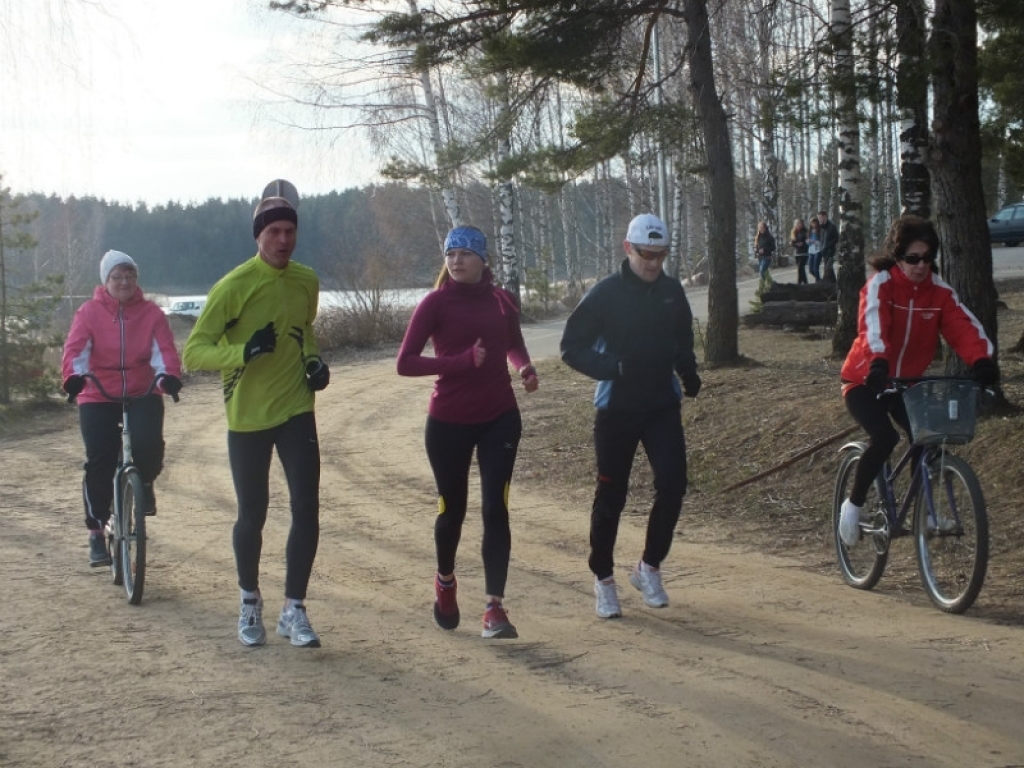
(123, 345)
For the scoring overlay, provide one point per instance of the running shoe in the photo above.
(98, 554)
(649, 584)
(250, 622)
(607, 593)
(496, 623)
(849, 523)
(446, 607)
(294, 624)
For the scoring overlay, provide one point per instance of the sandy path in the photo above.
(757, 662)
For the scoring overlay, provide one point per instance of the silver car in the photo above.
(1007, 226)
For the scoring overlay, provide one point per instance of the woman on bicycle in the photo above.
(124, 340)
(904, 308)
(474, 327)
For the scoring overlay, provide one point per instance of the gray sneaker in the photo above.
(607, 594)
(649, 584)
(250, 622)
(294, 624)
(98, 554)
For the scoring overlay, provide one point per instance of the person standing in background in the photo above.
(798, 239)
(474, 328)
(257, 330)
(829, 244)
(764, 249)
(814, 248)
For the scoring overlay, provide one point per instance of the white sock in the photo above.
(646, 568)
(250, 595)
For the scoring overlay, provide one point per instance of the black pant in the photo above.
(875, 414)
(249, 454)
(616, 437)
(450, 452)
(101, 432)
(801, 269)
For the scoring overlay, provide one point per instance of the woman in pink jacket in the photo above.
(124, 340)
(904, 308)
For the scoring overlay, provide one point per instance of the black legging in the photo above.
(450, 452)
(616, 437)
(101, 432)
(876, 415)
(249, 454)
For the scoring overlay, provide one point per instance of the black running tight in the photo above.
(450, 451)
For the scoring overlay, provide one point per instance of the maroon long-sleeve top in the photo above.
(453, 317)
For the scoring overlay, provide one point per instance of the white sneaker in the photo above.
(607, 594)
(649, 584)
(849, 523)
(250, 622)
(294, 624)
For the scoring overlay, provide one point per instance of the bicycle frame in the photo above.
(916, 458)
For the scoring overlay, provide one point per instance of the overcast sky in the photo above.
(144, 100)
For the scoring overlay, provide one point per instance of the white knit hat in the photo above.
(112, 259)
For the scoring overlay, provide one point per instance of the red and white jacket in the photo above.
(123, 345)
(900, 321)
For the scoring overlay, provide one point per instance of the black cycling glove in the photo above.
(985, 372)
(318, 375)
(878, 376)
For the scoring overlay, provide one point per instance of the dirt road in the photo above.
(757, 662)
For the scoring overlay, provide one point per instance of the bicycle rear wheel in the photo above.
(862, 564)
(133, 539)
(952, 544)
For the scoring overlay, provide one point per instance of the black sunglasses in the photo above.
(650, 255)
(914, 258)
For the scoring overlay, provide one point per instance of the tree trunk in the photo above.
(912, 98)
(722, 344)
(955, 164)
(850, 254)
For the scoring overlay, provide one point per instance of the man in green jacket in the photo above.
(257, 330)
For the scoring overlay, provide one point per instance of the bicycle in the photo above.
(126, 530)
(950, 528)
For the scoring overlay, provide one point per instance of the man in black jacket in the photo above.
(829, 243)
(633, 332)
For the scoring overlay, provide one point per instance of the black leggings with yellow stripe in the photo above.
(450, 451)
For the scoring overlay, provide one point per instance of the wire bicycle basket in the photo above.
(941, 411)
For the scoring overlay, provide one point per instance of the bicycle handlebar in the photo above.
(111, 398)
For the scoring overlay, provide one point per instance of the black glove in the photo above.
(318, 375)
(74, 385)
(262, 342)
(985, 372)
(171, 385)
(691, 385)
(878, 376)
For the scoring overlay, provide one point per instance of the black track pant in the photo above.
(876, 415)
(450, 451)
(299, 452)
(101, 432)
(616, 437)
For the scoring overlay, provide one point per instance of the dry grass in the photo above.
(783, 401)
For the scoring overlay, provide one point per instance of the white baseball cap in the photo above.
(647, 229)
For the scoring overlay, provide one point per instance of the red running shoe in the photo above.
(446, 607)
(496, 623)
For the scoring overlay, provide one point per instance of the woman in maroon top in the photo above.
(473, 326)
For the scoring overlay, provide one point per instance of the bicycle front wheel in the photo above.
(133, 539)
(952, 539)
(862, 564)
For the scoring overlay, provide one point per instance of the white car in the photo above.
(186, 307)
